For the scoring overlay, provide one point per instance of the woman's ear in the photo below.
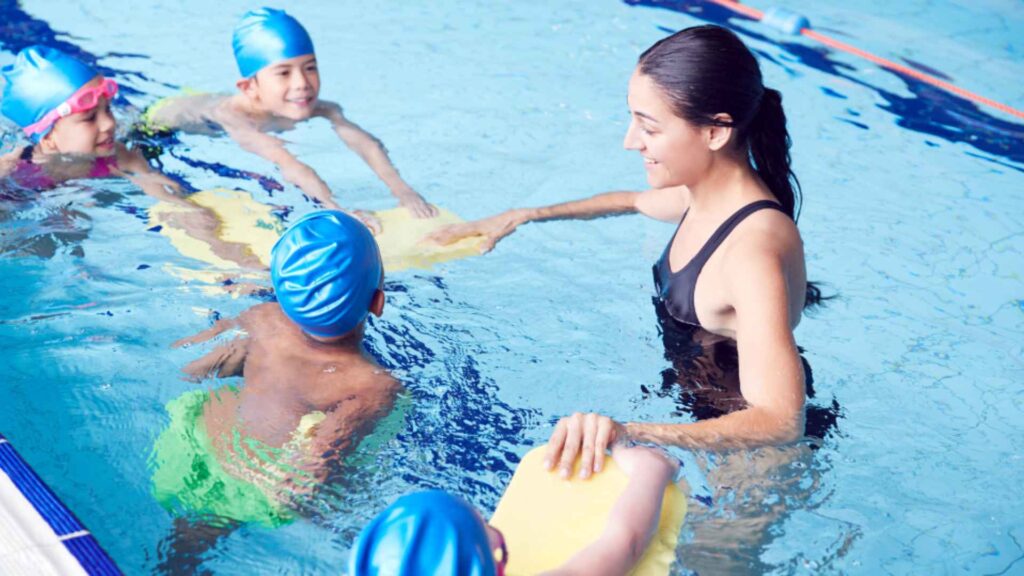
(717, 137)
(377, 303)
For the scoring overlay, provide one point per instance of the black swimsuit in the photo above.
(704, 377)
(676, 289)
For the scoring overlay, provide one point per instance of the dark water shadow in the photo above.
(19, 30)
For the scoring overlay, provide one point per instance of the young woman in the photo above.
(731, 280)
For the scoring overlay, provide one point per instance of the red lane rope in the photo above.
(842, 46)
(741, 8)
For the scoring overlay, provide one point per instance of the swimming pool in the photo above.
(913, 217)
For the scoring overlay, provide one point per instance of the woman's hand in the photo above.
(586, 435)
(492, 229)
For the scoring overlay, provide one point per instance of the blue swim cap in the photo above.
(265, 36)
(40, 80)
(325, 270)
(424, 534)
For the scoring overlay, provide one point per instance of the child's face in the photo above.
(289, 88)
(89, 132)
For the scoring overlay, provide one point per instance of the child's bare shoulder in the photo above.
(329, 110)
(363, 375)
(261, 317)
(384, 382)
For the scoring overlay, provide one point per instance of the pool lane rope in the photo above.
(795, 24)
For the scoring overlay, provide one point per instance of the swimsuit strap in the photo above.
(723, 232)
(677, 289)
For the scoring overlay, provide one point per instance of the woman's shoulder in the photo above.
(773, 226)
(766, 236)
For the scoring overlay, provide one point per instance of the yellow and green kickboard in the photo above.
(246, 221)
(546, 520)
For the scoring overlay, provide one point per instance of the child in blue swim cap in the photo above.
(437, 534)
(309, 395)
(279, 89)
(64, 107)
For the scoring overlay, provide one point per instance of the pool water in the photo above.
(913, 218)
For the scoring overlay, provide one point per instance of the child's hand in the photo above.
(413, 202)
(645, 461)
(368, 219)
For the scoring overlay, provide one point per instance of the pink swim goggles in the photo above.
(85, 99)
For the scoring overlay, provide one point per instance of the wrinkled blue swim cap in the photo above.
(40, 79)
(424, 534)
(265, 36)
(325, 270)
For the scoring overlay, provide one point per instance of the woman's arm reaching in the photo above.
(661, 204)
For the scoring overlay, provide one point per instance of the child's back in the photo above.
(289, 376)
(309, 395)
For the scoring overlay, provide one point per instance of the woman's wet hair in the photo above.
(707, 70)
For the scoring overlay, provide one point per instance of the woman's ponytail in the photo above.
(769, 149)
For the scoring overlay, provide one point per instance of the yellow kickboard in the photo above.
(401, 240)
(246, 221)
(242, 220)
(546, 520)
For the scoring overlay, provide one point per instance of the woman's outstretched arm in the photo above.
(663, 204)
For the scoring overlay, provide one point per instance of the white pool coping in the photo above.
(38, 534)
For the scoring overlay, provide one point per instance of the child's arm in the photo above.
(292, 169)
(218, 328)
(372, 151)
(633, 520)
(131, 165)
(198, 222)
(224, 361)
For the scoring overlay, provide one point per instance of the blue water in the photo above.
(913, 216)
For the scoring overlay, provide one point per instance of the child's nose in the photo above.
(106, 120)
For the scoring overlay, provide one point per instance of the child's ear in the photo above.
(377, 303)
(247, 86)
(47, 144)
